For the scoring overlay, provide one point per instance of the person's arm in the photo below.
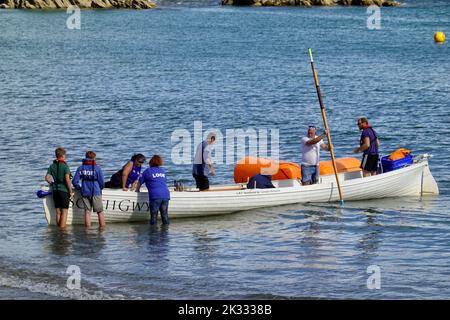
(69, 185)
(325, 146)
(208, 160)
(126, 171)
(49, 178)
(364, 146)
(134, 185)
(317, 139)
(140, 182)
(76, 180)
(100, 178)
(378, 143)
(138, 187)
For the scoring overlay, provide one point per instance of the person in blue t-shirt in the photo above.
(158, 192)
(368, 144)
(127, 177)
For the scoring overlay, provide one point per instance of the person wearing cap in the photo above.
(203, 163)
(311, 155)
(368, 145)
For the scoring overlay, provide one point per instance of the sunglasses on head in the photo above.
(311, 127)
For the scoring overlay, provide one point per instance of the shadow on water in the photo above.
(370, 240)
(58, 242)
(152, 242)
(205, 248)
(409, 204)
(158, 237)
(75, 239)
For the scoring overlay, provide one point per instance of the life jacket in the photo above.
(56, 178)
(89, 162)
(91, 176)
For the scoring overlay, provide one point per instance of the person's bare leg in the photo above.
(366, 173)
(87, 218)
(101, 220)
(63, 220)
(58, 216)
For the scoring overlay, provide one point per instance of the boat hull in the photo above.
(129, 206)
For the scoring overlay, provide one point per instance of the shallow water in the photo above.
(127, 80)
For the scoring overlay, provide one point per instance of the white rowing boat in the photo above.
(414, 180)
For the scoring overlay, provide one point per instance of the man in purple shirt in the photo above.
(368, 144)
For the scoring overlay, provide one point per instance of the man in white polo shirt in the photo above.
(311, 155)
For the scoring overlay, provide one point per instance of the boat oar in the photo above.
(324, 117)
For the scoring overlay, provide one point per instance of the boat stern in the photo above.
(429, 185)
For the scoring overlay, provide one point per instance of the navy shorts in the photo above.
(61, 199)
(369, 162)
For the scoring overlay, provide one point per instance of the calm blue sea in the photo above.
(127, 79)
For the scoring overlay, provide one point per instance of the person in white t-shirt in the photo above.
(311, 155)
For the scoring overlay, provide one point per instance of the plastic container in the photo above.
(390, 165)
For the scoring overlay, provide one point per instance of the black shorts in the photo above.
(61, 199)
(115, 182)
(201, 181)
(369, 162)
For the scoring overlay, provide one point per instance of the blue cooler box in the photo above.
(389, 165)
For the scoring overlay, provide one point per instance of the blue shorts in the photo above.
(310, 174)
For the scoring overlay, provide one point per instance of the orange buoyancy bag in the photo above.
(249, 166)
(342, 165)
(400, 153)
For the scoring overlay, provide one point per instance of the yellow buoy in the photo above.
(439, 36)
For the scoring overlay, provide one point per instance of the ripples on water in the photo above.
(127, 79)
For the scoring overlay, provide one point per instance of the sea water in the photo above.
(126, 80)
